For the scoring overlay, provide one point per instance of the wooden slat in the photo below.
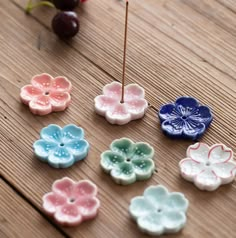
(230, 4)
(209, 213)
(19, 219)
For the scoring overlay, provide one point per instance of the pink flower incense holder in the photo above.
(70, 203)
(110, 106)
(46, 94)
(121, 104)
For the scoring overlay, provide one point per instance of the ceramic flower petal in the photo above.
(156, 195)
(104, 104)
(134, 91)
(59, 101)
(61, 84)
(61, 147)
(119, 115)
(68, 214)
(123, 174)
(226, 171)
(190, 168)
(137, 107)
(110, 159)
(193, 129)
(151, 224)
(173, 221)
(143, 168)
(112, 90)
(70, 202)
(176, 202)
(109, 104)
(29, 92)
(43, 148)
(198, 152)
(40, 105)
(64, 187)
(51, 201)
(220, 154)
(42, 81)
(186, 102)
(208, 167)
(61, 158)
(207, 180)
(185, 118)
(84, 189)
(140, 207)
(168, 112)
(158, 211)
(88, 207)
(46, 94)
(142, 150)
(202, 114)
(127, 161)
(51, 133)
(123, 147)
(79, 149)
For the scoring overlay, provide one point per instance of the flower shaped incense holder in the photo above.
(208, 167)
(70, 203)
(185, 118)
(109, 104)
(127, 161)
(61, 147)
(159, 211)
(46, 94)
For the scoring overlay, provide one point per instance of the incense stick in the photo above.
(124, 56)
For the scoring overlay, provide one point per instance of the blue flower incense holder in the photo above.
(185, 119)
(61, 147)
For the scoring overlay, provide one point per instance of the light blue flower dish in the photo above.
(185, 119)
(61, 147)
(159, 211)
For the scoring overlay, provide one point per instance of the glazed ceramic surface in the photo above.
(127, 161)
(115, 112)
(46, 94)
(71, 202)
(61, 147)
(185, 118)
(208, 167)
(158, 211)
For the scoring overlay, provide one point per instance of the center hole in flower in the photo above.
(184, 117)
(128, 160)
(72, 200)
(62, 144)
(46, 93)
(208, 163)
(159, 210)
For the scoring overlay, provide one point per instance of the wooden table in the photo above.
(175, 47)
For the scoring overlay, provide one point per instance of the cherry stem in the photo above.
(124, 56)
(31, 6)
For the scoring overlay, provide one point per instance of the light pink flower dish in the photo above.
(109, 104)
(70, 203)
(46, 94)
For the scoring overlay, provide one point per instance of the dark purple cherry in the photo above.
(66, 4)
(65, 24)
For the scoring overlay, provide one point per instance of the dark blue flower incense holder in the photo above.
(185, 119)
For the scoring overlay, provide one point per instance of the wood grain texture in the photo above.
(165, 62)
(18, 219)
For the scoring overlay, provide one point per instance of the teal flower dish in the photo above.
(159, 211)
(127, 161)
(61, 147)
